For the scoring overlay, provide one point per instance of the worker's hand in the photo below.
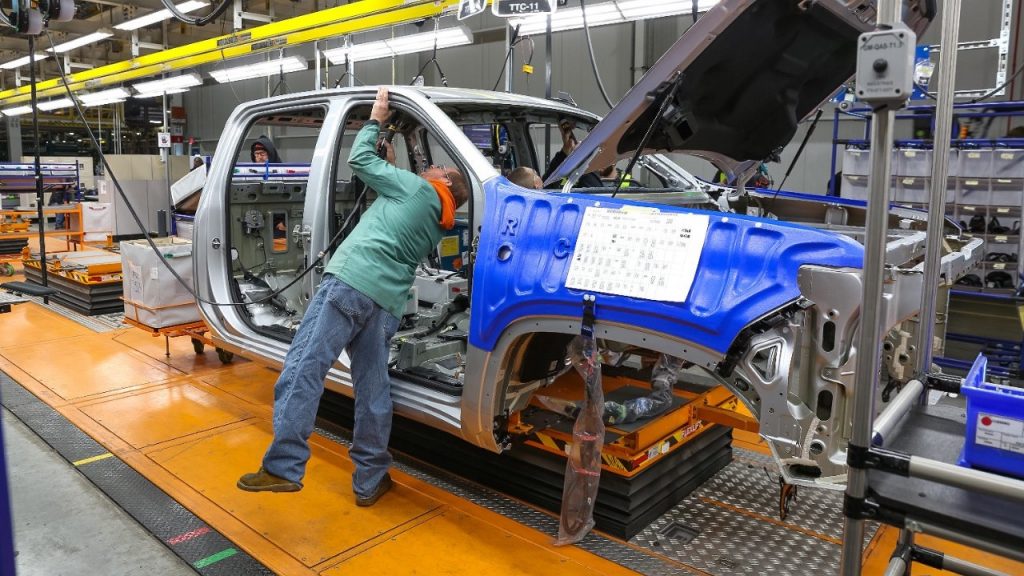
(389, 152)
(380, 111)
(568, 138)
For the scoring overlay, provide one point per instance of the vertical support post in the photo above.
(317, 84)
(166, 153)
(832, 170)
(639, 50)
(869, 343)
(509, 50)
(940, 173)
(40, 201)
(547, 93)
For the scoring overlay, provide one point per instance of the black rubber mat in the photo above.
(87, 300)
(624, 505)
(205, 549)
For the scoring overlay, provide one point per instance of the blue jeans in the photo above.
(338, 317)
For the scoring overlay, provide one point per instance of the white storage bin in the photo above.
(1006, 192)
(912, 190)
(954, 163)
(152, 296)
(856, 162)
(972, 191)
(976, 163)
(1008, 163)
(913, 162)
(854, 187)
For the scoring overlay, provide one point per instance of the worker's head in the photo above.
(526, 177)
(453, 178)
(197, 161)
(259, 153)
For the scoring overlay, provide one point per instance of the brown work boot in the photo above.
(263, 481)
(384, 485)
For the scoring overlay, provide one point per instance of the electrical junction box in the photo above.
(885, 65)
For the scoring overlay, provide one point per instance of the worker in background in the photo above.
(197, 161)
(569, 143)
(526, 177)
(263, 151)
(357, 307)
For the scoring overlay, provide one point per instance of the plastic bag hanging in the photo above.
(583, 468)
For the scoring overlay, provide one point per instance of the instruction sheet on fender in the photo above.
(639, 253)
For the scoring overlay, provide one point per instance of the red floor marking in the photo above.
(188, 536)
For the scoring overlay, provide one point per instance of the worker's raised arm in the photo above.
(373, 170)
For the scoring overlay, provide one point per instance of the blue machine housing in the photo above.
(748, 268)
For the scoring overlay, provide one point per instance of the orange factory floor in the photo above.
(191, 426)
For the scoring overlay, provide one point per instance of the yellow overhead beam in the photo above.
(319, 25)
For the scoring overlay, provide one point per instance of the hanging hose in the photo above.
(196, 20)
(593, 61)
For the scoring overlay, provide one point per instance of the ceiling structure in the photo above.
(104, 15)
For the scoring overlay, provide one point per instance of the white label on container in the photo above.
(643, 255)
(1001, 239)
(971, 183)
(910, 153)
(973, 155)
(1003, 180)
(969, 208)
(999, 266)
(908, 181)
(1000, 432)
(1007, 156)
(1002, 210)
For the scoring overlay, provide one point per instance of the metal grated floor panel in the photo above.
(97, 323)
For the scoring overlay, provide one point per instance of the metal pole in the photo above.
(940, 173)
(166, 152)
(1015, 552)
(966, 568)
(869, 344)
(547, 94)
(896, 567)
(966, 478)
(895, 410)
(38, 170)
(508, 60)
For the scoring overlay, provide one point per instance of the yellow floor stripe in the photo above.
(92, 459)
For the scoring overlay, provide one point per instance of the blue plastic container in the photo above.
(995, 424)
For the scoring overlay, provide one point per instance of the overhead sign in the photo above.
(469, 8)
(508, 8)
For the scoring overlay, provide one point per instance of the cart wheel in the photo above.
(198, 345)
(225, 356)
(6, 269)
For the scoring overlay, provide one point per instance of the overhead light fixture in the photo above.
(260, 69)
(159, 15)
(55, 104)
(22, 61)
(16, 110)
(104, 97)
(615, 12)
(141, 95)
(442, 38)
(79, 42)
(183, 81)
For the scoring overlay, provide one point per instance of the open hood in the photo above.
(740, 79)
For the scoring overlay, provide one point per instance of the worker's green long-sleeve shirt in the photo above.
(379, 258)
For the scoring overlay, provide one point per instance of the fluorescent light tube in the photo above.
(104, 97)
(55, 104)
(167, 84)
(159, 15)
(615, 12)
(445, 38)
(161, 93)
(260, 69)
(16, 110)
(79, 42)
(22, 61)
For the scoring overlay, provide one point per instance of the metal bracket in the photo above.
(587, 325)
(868, 509)
(875, 458)
(944, 382)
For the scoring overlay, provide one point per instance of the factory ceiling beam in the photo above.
(347, 19)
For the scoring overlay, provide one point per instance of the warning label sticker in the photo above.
(1000, 432)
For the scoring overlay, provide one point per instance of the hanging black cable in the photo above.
(433, 59)
(655, 122)
(593, 61)
(512, 41)
(800, 150)
(197, 20)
